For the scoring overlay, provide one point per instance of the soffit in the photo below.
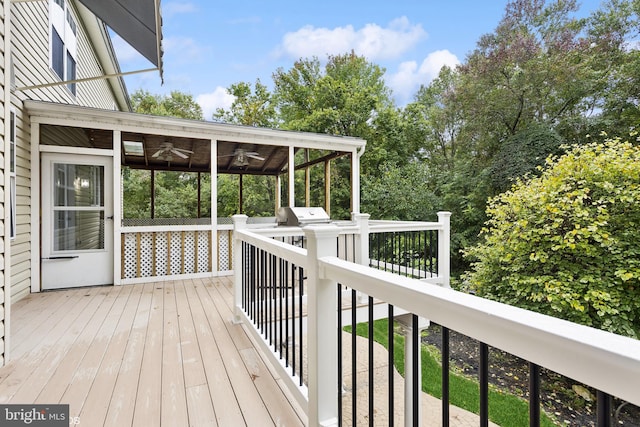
(138, 22)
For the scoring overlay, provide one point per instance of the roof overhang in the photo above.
(138, 22)
(194, 138)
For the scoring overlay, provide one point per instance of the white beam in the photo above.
(117, 212)
(292, 177)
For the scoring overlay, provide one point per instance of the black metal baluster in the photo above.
(354, 367)
(274, 300)
(391, 365)
(371, 365)
(263, 300)
(445, 376)
(339, 290)
(281, 304)
(286, 310)
(293, 318)
(269, 289)
(534, 395)
(417, 387)
(604, 409)
(484, 385)
(301, 312)
(431, 252)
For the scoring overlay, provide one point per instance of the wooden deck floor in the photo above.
(158, 354)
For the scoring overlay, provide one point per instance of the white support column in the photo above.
(444, 248)
(214, 208)
(292, 177)
(35, 206)
(278, 194)
(117, 213)
(322, 332)
(407, 327)
(239, 223)
(355, 180)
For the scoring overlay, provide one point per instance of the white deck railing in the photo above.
(607, 362)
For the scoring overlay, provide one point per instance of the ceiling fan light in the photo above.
(241, 160)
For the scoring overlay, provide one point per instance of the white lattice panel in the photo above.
(224, 254)
(161, 254)
(129, 255)
(176, 254)
(146, 254)
(203, 251)
(189, 252)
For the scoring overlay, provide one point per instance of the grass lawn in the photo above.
(505, 409)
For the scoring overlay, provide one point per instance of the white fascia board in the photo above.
(71, 115)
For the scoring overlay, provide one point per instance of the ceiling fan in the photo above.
(241, 157)
(167, 151)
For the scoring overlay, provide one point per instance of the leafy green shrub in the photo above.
(566, 243)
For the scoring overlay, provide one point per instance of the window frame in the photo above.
(63, 27)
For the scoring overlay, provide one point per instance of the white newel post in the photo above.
(322, 332)
(239, 222)
(362, 244)
(444, 248)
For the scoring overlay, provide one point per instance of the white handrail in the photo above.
(608, 362)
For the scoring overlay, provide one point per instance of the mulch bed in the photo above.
(560, 396)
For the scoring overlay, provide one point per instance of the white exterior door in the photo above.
(77, 221)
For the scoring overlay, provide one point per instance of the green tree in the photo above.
(136, 193)
(399, 193)
(565, 243)
(346, 96)
(176, 104)
(522, 154)
(176, 192)
(250, 107)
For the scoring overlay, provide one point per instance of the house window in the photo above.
(12, 173)
(63, 38)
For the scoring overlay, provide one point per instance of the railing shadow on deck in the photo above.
(291, 290)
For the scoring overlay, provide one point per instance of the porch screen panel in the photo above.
(78, 211)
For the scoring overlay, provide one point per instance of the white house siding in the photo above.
(30, 49)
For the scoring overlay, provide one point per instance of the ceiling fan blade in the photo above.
(157, 153)
(255, 156)
(184, 150)
(179, 154)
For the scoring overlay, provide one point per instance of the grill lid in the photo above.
(300, 216)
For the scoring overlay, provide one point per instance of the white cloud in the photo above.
(371, 41)
(409, 76)
(209, 102)
(177, 7)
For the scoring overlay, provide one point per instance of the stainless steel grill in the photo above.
(299, 216)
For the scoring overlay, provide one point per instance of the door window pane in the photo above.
(78, 185)
(78, 230)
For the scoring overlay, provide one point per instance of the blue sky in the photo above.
(211, 44)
